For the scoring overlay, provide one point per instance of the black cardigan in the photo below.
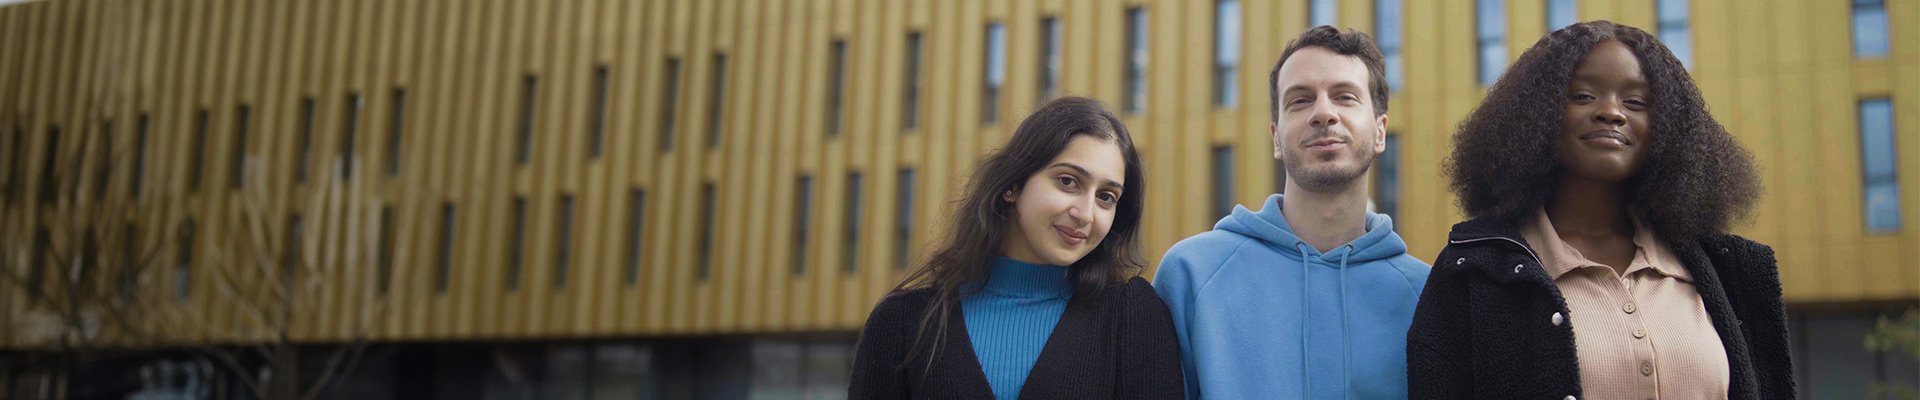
(1118, 344)
(1484, 331)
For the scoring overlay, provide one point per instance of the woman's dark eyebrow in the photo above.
(1083, 172)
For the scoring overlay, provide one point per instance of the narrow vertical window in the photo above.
(1869, 28)
(1675, 31)
(636, 227)
(1134, 97)
(1491, 23)
(994, 76)
(385, 254)
(910, 107)
(196, 164)
(1880, 163)
(837, 86)
(903, 220)
(529, 110)
(707, 231)
(1226, 53)
(306, 140)
(669, 103)
(563, 258)
(717, 106)
(516, 251)
(803, 216)
(129, 250)
(49, 184)
(139, 156)
(1323, 12)
(37, 266)
(444, 260)
(350, 134)
(1050, 38)
(851, 255)
(396, 124)
(1386, 178)
(1561, 13)
(597, 116)
(242, 121)
(14, 154)
(107, 157)
(183, 268)
(1222, 181)
(1386, 21)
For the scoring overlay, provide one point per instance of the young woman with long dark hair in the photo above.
(1036, 290)
(1598, 264)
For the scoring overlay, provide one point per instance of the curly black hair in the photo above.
(1697, 179)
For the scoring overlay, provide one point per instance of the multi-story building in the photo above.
(705, 197)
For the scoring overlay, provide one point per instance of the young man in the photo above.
(1311, 296)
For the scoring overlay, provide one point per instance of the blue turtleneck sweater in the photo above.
(1011, 317)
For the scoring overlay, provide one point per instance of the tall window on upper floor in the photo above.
(1561, 13)
(1386, 178)
(1049, 60)
(837, 88)
(1675, 32)
(910, 89)
(1222, 201)
(903, 220)
(1134, 74)
(1386, 21)
(1323, 12)
(1880, 164)
(1490, 20)
(994, 76)
(1226, 53)
(1870, 28)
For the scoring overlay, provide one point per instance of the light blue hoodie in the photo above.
(1262, 314)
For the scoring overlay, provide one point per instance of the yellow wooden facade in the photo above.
(1777, 73)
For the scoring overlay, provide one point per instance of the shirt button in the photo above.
(1646, 368)
(1639, 333)
(1629, 307)
(1557, 319)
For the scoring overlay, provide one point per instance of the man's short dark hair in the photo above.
(1349, 43)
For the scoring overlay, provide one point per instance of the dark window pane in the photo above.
(396, 125)
(306, 140)
(910, 107)
(385, 274)
(563, 260)
(242, 121)
(1222, 181)
(516, 251)
(707, 230)
(290, 267)
(803, 216)
(717, 107)
(995, 74)
(1134, 73)
(444, 261)
(636, 226)
(903, 220)
(1049, 59)
(851, 255)
(1226, 53)
(49, 182)
(597, 116)
(1491, 22)
(837, 86)
(183, 268)
(139, 157)
(1386, 14)
(669, 103)
(350, 135)
(529, 110)
(195, 165)
(1880, 165)
(1386, 178)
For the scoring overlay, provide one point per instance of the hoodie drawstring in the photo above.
(1306, 361)
(1346, 355)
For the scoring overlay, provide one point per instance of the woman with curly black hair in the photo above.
(1597, 262)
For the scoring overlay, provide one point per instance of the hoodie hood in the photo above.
(1267, 225)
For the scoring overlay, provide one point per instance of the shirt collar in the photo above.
(1558, 257)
